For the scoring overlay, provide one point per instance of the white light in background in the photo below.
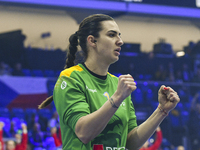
(198, 3)
(181, 53)
(133, 0)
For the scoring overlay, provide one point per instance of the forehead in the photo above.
(10, 142)
(109, 25)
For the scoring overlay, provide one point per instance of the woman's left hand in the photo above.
(167, 98)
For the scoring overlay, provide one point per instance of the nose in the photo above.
(120, 42)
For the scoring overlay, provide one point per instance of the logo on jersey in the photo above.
(63, 85)
(100, 147)
(115, 148)
(91, 90)
(106, 95)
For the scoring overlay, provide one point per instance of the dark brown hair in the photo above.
(91, 25)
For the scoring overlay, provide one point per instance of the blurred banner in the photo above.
(23, 92)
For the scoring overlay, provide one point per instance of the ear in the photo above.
(91, 41)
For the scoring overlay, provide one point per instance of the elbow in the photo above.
(83, 138)
(85, 134)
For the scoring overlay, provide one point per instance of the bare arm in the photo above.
(90, 126)
(1, 134)
(168, 99)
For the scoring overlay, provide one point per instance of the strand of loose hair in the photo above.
(46, 102)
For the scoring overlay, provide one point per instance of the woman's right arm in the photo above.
(91, 125)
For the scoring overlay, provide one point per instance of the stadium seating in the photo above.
(4, 112)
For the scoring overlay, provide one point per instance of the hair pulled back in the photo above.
(91, 25)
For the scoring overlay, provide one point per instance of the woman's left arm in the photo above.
(168, 100)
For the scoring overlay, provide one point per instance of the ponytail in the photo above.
(73, 40)
(46, 102)
(73, 43)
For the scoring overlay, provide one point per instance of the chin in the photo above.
(114, 60)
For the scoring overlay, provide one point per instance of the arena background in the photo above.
(35, 33)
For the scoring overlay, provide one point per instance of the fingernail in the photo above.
(165, 88)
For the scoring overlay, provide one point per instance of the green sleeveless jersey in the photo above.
(78, 93)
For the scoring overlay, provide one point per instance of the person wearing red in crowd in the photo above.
(1, 147)
(156, 144)
(21, 140)
(57, 138)
(1, 135)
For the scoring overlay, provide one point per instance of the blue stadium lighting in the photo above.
(112, 6)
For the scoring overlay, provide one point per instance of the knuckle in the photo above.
(122, 79)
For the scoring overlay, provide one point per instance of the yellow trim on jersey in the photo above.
(112, 75)
(67, 72)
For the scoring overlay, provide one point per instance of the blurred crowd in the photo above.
(5, 69)
(159, 72)
(39, 133)
(35, 133)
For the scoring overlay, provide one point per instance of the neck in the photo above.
(97, 67)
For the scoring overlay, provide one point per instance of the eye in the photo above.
(111, 35)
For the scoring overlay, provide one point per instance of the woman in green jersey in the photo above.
(94, 106)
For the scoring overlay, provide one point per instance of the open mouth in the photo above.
(118, 49)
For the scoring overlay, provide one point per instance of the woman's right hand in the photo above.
(126, 86)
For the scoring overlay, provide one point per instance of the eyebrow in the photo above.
(114, 32)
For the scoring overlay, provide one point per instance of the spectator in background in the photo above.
(171, 67)
(21, 140)
(157, 143)
(56, 136)
(35, 118)
(10, 145)
(184, 93)
(189, 48)
(1, 135)
(194, 122)
(178, 76)
(186, 73)
(4, 69)
(1, 147)
(54, 121)
(180, 147)
(36, 137)
(161, 73)
(170, 77)
(197, 74)
(132, 71)
(17, 71)
(13, 129)
(170, 72)
(195, 48)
